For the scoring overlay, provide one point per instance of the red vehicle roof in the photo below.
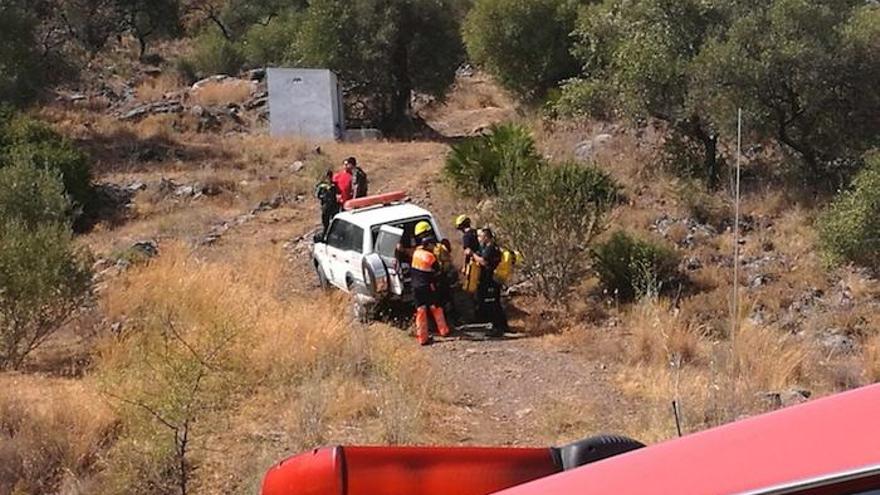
(832, 435)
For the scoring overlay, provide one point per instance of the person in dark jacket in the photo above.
(489, 309)
(359, 184)
(469, 242)
(327, 194)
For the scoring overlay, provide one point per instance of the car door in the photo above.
(386, 244)
(351, 256)
(333, 251)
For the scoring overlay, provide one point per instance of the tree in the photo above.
(384, 50)
(90, 22)
(525, 45)
(806, 73)
(637, 62)
(43, 278)
(552, 214)
(19, 71)
(146, 19)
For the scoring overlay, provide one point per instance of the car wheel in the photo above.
(322, 278)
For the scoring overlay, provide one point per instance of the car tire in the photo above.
(323, 283)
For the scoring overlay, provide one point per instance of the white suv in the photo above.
(357, 254)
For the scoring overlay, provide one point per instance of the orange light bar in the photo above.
(377, 199)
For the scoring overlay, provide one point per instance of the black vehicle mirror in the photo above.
(318, 237)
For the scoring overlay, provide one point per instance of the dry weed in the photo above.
(659, 338)
(222, 92)
(159, 87)
(52, 433)
(871, 358)
(303, 357)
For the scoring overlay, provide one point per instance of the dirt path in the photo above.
(519, 391)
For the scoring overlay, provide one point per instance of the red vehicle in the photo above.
(829, 446)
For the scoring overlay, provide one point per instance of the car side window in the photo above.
(337, 235)
(354, 238)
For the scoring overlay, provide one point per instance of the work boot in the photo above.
(440, 320)
(422, 326)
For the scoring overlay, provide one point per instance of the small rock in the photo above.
(210, 80)
(297, 166)
(136, 186)
(787, 398)
(759, 280)
(522, 413)
(838, 343)
(197, 110)
(184, 191)
(256, 74)
(693, 263)
(211, 189)
(149, 249)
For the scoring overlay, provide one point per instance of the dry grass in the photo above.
(157, 88)
(668, 358)
(52, 433)
(300, 358)
(658, 338)
(222, 92)
(871, 359)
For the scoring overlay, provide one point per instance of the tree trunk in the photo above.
(693, 127)
(142, 47)
(809, 155)
(400, 117)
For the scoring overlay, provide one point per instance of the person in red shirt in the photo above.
(343, 180)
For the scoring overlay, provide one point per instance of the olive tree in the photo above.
(525, 45)
(19, 71)
(384, 50)
(637, 60)
(806, 73)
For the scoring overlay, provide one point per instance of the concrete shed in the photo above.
(305, 103)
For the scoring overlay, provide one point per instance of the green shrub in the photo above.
(552, 213)
(24, 140)
(849, 229)
(214, 54)
(475, 165)
(32, 196)
(43, 279)
(633, 268)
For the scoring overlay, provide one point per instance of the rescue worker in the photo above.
(425, 271)
(489, 309)
(344, 180)
(469, 242)
(359, 178)
(326, 192)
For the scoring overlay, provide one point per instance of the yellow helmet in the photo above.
(422, 227)
(461, 220)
